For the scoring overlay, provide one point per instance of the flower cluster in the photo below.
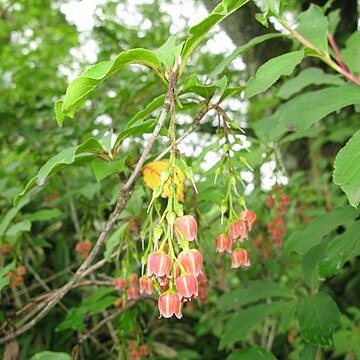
(131, 287)
(179, 278)
(83, 248)
(136, 352)
(16, 277)
(236, 235)
(279, 204)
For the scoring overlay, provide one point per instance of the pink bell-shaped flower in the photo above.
(223, 243)
(158, 264)
(248, 216)
(185, 228)
(187, 286)
(169, 304)
(191, 260)
(238, 230)
(240, 258)
(146, 285)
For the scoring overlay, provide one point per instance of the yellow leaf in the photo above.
(151, 175)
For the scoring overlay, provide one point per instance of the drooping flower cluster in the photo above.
(236, 235)
(136, 351)
(278, 203)
(177, 276)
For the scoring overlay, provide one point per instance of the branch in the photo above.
(123, 197)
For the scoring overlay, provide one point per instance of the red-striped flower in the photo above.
(158, 264)
(238, 230)
(187, 286)
(248, 216)
(240, 258)
(223, 243)
(185, 228)
(191, 260)
(146, 285)
(132, 293)
(119, 284)
(169, 304)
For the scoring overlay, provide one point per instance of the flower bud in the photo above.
(158, 264)
(191, 260)
(132, 293)
(185, 228)
(187, 286)
(146, 285)
(20, 270)
(119, 283)
(223, 243)
(240, 258)
(248, 216)
(169, 304)
(238, 230)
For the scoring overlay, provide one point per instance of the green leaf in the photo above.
(168, 52)
(301, 241)
(192, 84)
(43, 215)
(9, 216)
(304, 110)
(145, 128)
(313, 27)
(66, 157)
(19, 227)
(251, 353)
(241, 49)
(351, 53)
(51, 355)
(334, 19)
(347, 169)
(200, 30)
(340, 250)
(95, 75)
(318, 317)
(230, 92)
(309, 264)
(60, 116)
(271, 71)
(241, 323)
(103, 168)
(253, 291)
(154, 105)
(307, 77)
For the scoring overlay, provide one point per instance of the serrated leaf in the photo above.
(271, 71)
(66, 157)
(241, 49)
(51, 355)
(95, 75)
(301, 241)
(340, 250)
(313, 27)
(200, 30)
(103, 168)
(241, 323)
(307, 77)
(347, 169)
(306, 109)
(253, 291)
(318, 318)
